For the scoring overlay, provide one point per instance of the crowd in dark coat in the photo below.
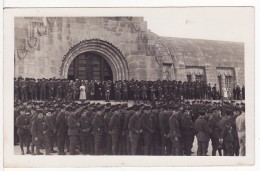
(160, 128)
(123, 90)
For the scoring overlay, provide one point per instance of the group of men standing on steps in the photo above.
(122, 90)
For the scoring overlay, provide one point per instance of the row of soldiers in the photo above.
(47, 89)
(96, 129)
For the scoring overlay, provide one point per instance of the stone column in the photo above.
(223, 83)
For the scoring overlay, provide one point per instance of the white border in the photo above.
(22, 3)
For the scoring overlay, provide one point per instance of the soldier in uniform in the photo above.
(108, 138)
(16, 90)
(117, 88)
(156, 143)
(23, 125)
(62, 130)
(23, 90)
(59, 89)
(203, 134)
(51, 130)
(73, 131)
(85, 132)
(136, 90)
(213, 125)
(98, 129)
(226, 136)
(128, 115)
(152, 93)
(92, 90)
(146, 125)
(107, 90)
(175, 132)
(50, 86)
(144, 93)
(43, 89)
(125, 91)
(39, 134)
(165, 129)
(134, 131)
(114, 131)
(187, 131)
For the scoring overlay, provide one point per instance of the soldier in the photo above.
(43, 89)
(62, 130)
(39, 134)
(114, 130)
(134, 131)
(50, 87)
(144, 93)
(108, 138)
(146, 125)
(128, 115)
(175, 132)
(187, 131)
(125, 91)
(58, 88)
(23, 125)
(152, 93)
(51, 130)
(213, 125)
(98, 129)
(156, 138)
(203, 132)
(117, 88)
(107, 90)
(226, 136)
(73, 131)
(136, 90)
(243, 92)
(209, 93)
(165, 129)
(23, 90)
(16, 90)
(92, 90)
(85, 132)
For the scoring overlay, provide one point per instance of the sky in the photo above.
(215, 23)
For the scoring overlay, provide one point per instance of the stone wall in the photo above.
(42, 42)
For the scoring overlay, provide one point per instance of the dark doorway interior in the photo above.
(90, 66)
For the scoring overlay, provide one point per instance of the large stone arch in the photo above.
(111, 54)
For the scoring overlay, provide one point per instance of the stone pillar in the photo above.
(223, 83)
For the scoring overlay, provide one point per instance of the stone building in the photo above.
(118, 48)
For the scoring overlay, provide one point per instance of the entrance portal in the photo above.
(90, 66)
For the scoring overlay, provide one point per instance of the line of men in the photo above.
(48, 89)
(103, 129)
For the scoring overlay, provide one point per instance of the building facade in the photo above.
(120, 48)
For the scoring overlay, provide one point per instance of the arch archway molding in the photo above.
(107, 50)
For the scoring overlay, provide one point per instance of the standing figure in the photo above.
(23, 125)
(107, 91)
(203, 132)
(144, 93)
(73, 132)
(82, 95)
(39, 130)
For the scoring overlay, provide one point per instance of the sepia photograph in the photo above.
(166, 83)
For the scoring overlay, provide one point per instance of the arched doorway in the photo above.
(112, 55)
(90, 66)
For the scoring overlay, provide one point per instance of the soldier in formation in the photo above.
(163, 128)
(49, 89)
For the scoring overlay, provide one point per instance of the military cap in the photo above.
(214, 108)
(237, 109)
(202, 112)
(229, 112)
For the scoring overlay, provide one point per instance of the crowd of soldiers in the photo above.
(160, 128)
(48, 89)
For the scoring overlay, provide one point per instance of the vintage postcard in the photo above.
(89, 87)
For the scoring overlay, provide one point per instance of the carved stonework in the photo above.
(21, 53)
(51, 20)
(32, 41)
(42, 30)
(159, 59)
(111, 53)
